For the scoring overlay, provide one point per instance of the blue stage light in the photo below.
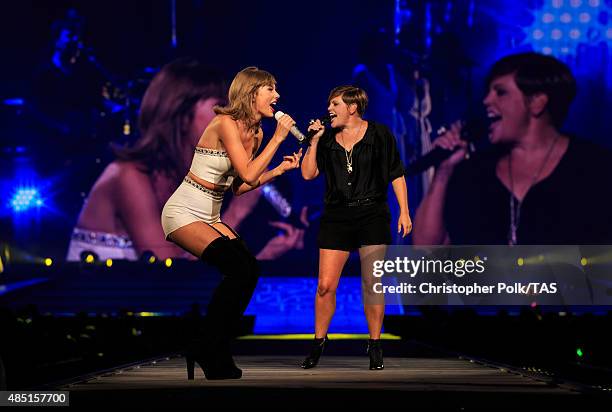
(25, 199)
(14, 102)
(566, 27)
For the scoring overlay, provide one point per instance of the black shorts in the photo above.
(349, 228)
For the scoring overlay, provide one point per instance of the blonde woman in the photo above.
(225, 157)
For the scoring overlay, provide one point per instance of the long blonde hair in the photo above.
(167, 105)
(242, 93)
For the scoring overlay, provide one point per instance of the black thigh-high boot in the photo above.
(239, 271)
(250, 280)
(233, 295)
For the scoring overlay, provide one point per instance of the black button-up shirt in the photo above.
(572, 206)
(376, 162)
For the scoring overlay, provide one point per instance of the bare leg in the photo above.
(331, 263)
(196, 236)
(373, 304)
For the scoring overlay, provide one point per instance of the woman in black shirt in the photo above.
(359, 159)
(535, 184)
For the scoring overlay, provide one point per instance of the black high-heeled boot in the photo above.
(312, 360)
(212, 370)
(214, 358)
(376, 354)
(239, 272)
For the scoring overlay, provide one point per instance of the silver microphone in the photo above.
(276, 199)
(294, 130)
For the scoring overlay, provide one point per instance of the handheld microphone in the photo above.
(294, 130)
(472, 130)
(283, 207)
(325, 120)
(276, 199)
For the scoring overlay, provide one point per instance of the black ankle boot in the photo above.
(215, 360)
(212, 369)
(376, 354)
(318, 344)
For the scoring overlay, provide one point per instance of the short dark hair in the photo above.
(536, 73)
(350, 95)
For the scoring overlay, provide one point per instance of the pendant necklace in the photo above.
(515, 207)
(349, 153)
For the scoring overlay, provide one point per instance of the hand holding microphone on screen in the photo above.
(452, 145)
(455, 149)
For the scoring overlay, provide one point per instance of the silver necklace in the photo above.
(515, 207)
(349, 153)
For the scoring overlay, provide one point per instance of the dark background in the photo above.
(309, 46)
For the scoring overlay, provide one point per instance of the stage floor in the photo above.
(432, 381)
